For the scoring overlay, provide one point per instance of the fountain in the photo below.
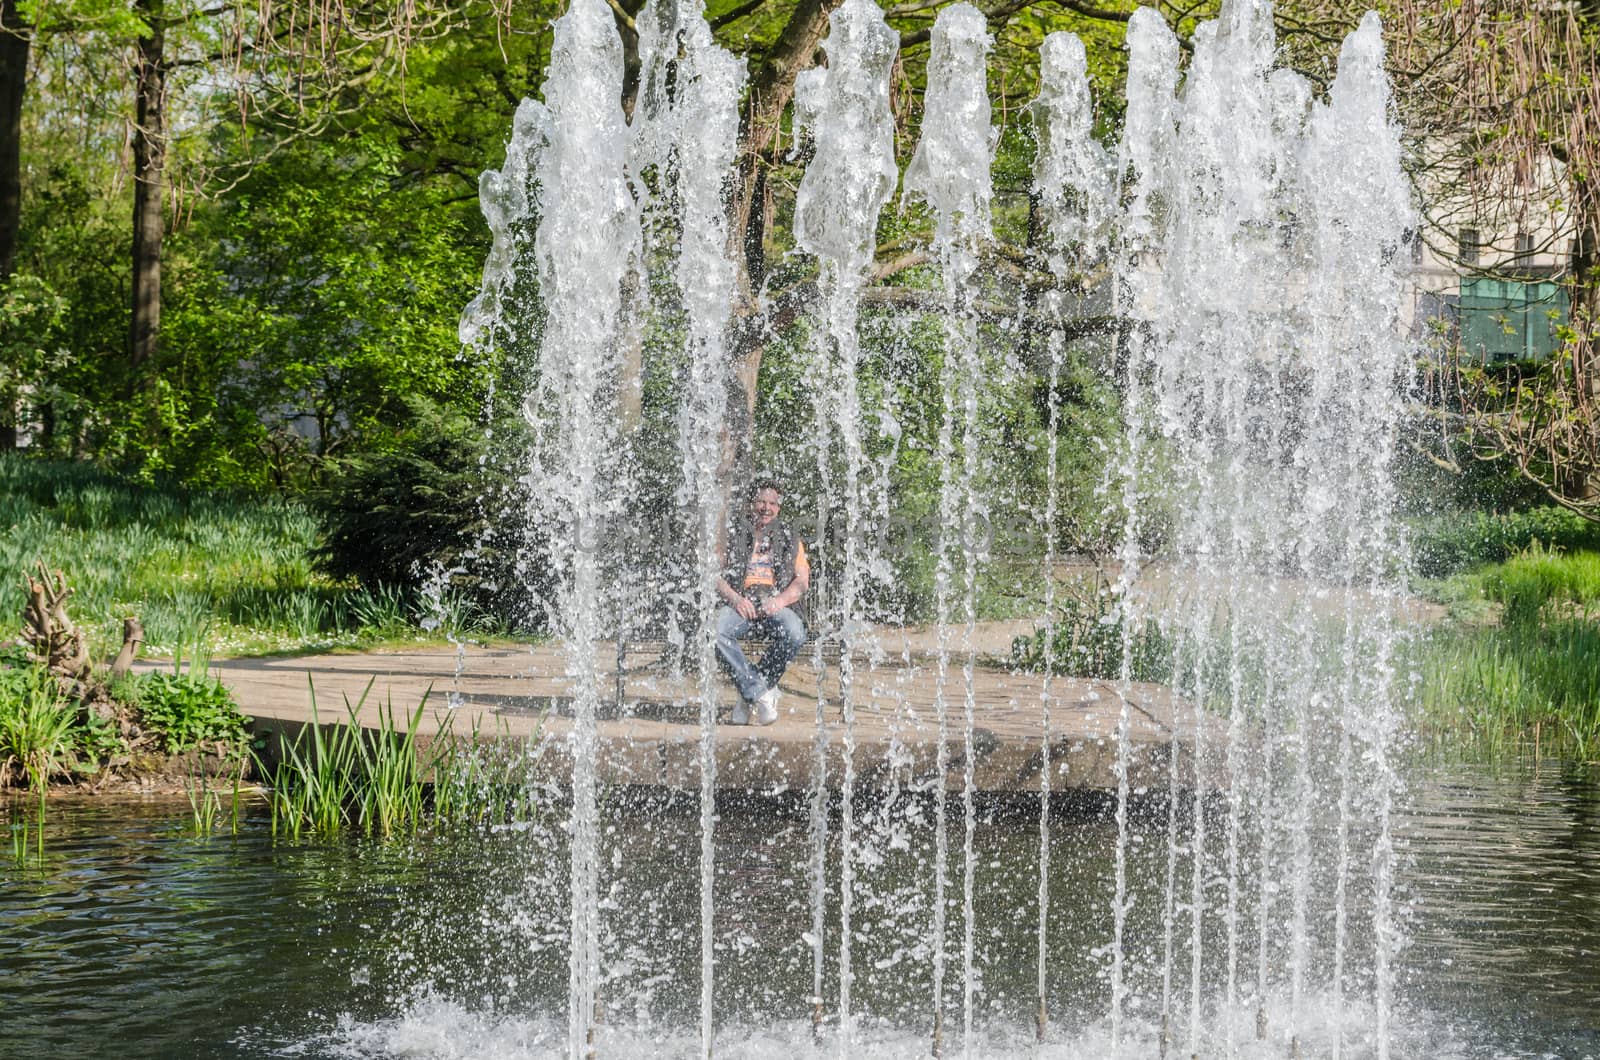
(1249, 233)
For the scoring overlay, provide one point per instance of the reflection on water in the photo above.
(135, 936)
(1504, 884)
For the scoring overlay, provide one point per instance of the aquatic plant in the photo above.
(204, 803)
(205, 800)
(1510, 690)
(344, 776)
(36, 726)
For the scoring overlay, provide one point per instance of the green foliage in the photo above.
(323, 238)
(1090, 627)
(341, 777)
(1513, 688)
(63, 315)
(36, 726)
(96, 739)
(325, 290)
(187, 711)
(1445, 544)
(234, 571)
(432, 509)
(1543, 582)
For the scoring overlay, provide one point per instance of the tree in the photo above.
(1507, 95)
(242, 118)
(16, 38)
(19, 26)
(149, 177)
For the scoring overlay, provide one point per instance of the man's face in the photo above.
(764, 506)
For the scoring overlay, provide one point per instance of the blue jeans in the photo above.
(787, 633)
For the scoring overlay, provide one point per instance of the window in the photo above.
(1467, 246)
(1524, 256)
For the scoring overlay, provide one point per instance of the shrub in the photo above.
(1445, 544)
(185, 710)
(1088, 641)
(392, 519)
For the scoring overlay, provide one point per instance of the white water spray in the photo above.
(1252, 234)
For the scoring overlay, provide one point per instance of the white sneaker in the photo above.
(767, 707)
(741, 713)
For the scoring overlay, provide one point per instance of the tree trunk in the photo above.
(771, 88)
(1584, 315)
(770, 91)
(149, 165)
(15, 38)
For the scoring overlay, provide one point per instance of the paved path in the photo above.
(652, 736)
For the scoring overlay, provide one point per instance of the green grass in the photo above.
(1517, 668)
(1541, 582)
(231, 572)
(1538, 583)
(36, 728)
(1512, 689)
(340, 778)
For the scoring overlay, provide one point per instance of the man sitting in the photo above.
(768, 561)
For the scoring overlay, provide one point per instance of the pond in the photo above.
(136, 936)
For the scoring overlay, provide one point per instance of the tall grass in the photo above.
(36, 727)
(1510, 689)
(341, 778)
(1542, 582)
(232, 571)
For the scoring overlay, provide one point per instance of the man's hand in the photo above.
(745, 609)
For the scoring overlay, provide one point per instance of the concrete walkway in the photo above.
(652, 735)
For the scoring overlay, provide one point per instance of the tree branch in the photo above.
(729, 17)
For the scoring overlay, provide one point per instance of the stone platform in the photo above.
(652, 735)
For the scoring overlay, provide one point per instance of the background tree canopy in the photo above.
(235, 238)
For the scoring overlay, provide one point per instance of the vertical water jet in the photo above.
(851, 176)
(950, 172)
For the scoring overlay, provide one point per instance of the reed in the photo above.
(205, 804)
(1513, 688)
(36, 727)
(205, 799)
(22, 834)
(343, 778)
(480, 780)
